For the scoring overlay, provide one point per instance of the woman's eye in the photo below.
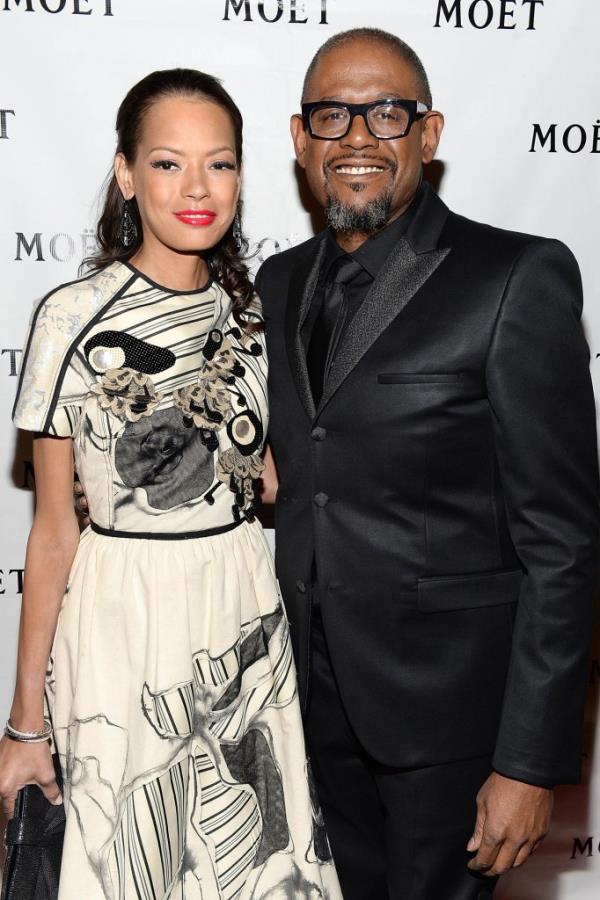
(167, 165)
(222, 164)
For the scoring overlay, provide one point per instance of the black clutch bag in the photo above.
(34, 842)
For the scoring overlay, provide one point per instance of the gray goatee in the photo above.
(342, 217)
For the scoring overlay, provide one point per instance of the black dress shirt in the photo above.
(372, 254)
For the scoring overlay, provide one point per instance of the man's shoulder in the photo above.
(501, 244)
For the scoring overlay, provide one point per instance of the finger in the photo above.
(475, 840)
(488, 851)
(51, 792)
(537, 844)
(8, 805)
(505, 859)
(524, 853)
(77, 489)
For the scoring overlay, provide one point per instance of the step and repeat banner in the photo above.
(518, 81)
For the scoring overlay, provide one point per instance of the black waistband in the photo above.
(168, 535)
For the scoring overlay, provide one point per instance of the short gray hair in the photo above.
(376, 35)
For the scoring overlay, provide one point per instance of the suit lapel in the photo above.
(303, 281)
(408, 267)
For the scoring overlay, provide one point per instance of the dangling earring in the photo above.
(238, 237)
(127, 228)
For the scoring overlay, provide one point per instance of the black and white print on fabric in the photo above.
(172, 688)
(230, 783)
(162, 456)
(148, 380)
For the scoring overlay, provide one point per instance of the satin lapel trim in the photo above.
(403, 275)
(303, 282)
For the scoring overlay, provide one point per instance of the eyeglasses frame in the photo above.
(415, 108)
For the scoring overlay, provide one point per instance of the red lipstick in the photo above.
(199, 218)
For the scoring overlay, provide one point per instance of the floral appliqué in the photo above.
(240, 465)
(208, 405)
(129, 395)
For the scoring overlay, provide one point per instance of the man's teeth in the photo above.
(358, 170)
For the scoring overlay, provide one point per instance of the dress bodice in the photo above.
(163, 393)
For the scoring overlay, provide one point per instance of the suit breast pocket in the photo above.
(419, 377)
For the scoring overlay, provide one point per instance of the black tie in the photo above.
(329, 323)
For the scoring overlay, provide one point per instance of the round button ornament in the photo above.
(245, 432)
(104, 358)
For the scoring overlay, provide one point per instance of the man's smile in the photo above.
(358, 170)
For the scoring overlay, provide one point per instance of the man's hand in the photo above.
(512, 820)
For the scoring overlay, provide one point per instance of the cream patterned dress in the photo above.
(171, 686)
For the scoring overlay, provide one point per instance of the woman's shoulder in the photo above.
(75, 302)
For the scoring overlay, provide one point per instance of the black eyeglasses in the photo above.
(329, 120)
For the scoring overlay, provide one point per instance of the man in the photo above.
(437, 515)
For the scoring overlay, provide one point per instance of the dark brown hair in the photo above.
(225, 260)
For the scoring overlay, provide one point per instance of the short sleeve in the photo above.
(52, 384)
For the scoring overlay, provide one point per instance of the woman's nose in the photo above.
(196, 184)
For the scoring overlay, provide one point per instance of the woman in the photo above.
(171, 686)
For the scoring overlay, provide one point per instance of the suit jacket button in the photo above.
(321, 499)
(318, 433)
(301, 586)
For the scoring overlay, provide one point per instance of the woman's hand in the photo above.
(22, 764)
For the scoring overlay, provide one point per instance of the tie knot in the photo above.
(344, 269)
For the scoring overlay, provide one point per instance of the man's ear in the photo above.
(299, 138)
(124, 176)
(431, 132)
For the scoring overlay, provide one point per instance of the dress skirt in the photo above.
(172, 692)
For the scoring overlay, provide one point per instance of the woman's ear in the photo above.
(124, 176)
(240, 182)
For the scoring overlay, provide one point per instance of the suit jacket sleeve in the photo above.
(544, 424)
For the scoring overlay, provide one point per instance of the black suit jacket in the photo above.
(447, 485)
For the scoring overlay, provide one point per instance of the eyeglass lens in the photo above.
(384, 121)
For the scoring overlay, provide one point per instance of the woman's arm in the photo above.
(270, 480)
(51, 548)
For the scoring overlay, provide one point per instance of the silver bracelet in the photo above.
(29, 737)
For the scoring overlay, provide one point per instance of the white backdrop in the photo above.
(518, 82)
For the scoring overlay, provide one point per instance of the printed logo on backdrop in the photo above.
(11, 581)
(293, 12)
(72, 7)
(586, 847)
(4, 122)
(505, 15)
(574, 138)
(268, 246)
(10, 358)
(61, 247)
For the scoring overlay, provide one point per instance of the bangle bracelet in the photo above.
(29, 737)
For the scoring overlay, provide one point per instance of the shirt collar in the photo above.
(376, 249)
